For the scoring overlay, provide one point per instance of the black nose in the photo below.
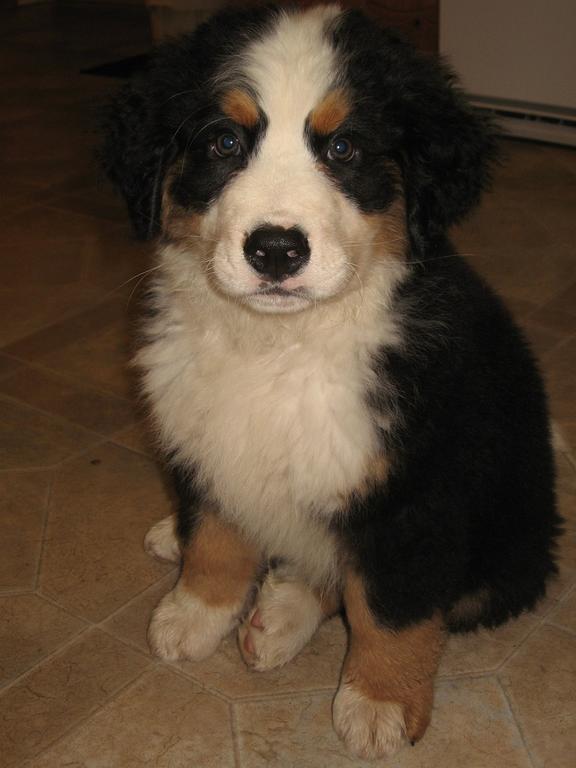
(275, 252)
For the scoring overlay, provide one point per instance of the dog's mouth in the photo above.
(275, 298)
(277, 290)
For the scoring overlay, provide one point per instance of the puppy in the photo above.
(350, 416)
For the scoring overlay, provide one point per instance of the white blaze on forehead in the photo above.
(291, 69)
(293, 66)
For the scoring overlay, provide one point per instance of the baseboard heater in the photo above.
(531, 121)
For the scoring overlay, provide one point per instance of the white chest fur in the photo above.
(272, 413)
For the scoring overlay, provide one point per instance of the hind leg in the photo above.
(284, 618)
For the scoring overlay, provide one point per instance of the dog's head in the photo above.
(289, 152)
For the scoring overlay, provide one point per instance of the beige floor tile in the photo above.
(541, 684)
(560, 370)
(32, 439)
(471, 727)
(96, 199)
(568, 427)
(567, 507)
(536, 166)
(23, 312)
(30, 628)
(543, 340)
(485, 651)
(19, 196)
(520, 256)
(70, 400)
(48, 246)
(8, 366)
(23, 500)
(290, 732)
(567, 549)
(130, 624)
(138, 438)
(101, 506)
(565, 475)
(555, 319)
(121, 264)
(101, 358)
(565, 613)
(161, 720)
(566, 300)
(317, 667)
(93, 347)
(46, 703)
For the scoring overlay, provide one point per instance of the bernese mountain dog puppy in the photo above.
(351, 418)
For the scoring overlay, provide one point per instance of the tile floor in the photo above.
(79, 486)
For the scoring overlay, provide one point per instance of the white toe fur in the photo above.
(161, 540)
(370, 729)
(290, 614)
(184, 627)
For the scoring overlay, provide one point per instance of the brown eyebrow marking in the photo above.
(334, 108)
(240, 107)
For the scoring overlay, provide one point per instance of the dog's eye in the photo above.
(341, 149)
(226, 145)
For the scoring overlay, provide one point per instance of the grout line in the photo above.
(73, 379)
(108, 616)
(52, 655)
(478, 675)
(127, 643)
(54, 417)
(542, 621)
(515, 721)
(59, 374)
(27, 470)
(263, 697)
(90, 305)
(92, 713)
(38, 592)
(235, 734)
(191, 679)
(562, 628)
(571, 459)
(47, 501)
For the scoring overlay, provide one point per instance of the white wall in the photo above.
(523, 50)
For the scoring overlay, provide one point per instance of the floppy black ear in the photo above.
(448, 154)
(135, 155)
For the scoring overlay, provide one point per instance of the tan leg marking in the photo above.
(387, 687)
(218, 570)
(284, 618)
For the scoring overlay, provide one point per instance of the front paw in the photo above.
(369, 728)
(183, 626)
(161, 540)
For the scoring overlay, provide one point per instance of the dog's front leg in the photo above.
(387, 686)
(218, 569)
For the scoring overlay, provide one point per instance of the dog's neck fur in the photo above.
(270, 410)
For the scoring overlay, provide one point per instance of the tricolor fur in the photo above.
(373, 409)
